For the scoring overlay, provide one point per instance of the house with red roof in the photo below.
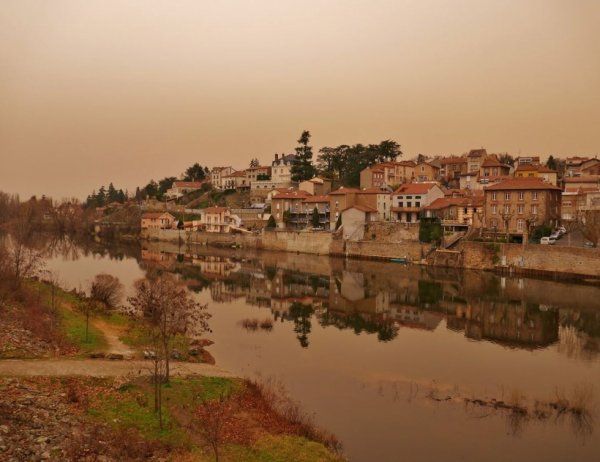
(457, 213)
(537, 171)
(517, 205)
(409, 199)
(158, 220)
(217, 220)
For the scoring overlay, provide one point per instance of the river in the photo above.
(373, 349)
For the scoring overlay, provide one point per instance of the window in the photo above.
(520, 208)
(520, 223)
(494, 196)
(534, 209)
(521, 195)
(534, 195)
(494, 209)
(507, 196)
(409, 204)
(506, 208)
(400, 204)
(417, 204)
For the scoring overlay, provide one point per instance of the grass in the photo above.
(132, 407)
(72, 321)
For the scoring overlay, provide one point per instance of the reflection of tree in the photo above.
(385, 329)
(301, 315)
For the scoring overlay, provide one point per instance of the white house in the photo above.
(409, 199)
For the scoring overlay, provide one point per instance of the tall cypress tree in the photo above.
(302, 168)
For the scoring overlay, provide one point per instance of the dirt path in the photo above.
(111, 333)
(100, 368)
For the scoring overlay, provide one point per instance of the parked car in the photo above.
(555, 235)
(562, 230)
(548, 240)
(589, 244)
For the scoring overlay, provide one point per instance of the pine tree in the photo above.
(315, 218)
(302, 167)
(271, 222)
(338, 223)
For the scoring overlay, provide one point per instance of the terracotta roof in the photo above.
(215, 210)
(187, 184)
(236, 174)
(315, 199)
(415, 188)
(372, 191)
(521, 184)
(344, 190)
(362, 208)
(477, 153)
(444, 202)
(453, 160)
(583, 179)
(534, 168)
(492, 161)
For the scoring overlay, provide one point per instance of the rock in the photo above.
(42, 439)
(115, 356)
(45, 455)
(201, 342)
(97, 355)
(4, 429)
(149, 354)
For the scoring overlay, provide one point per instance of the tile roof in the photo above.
(315, 199)
(362, 208)
(372, 191)
(582, 179)
(522, 184)
(415, 188)
(295, 194)
(187, 184)
(344, 190)
(154, 215)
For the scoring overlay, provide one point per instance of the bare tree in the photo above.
(214, 416)
(590, 226)
(169, 310)
(106, 289)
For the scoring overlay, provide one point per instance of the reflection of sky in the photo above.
(359, 386)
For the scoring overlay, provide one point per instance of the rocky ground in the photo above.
(43, 419)
(16, 341)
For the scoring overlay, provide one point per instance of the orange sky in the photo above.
(104, 90)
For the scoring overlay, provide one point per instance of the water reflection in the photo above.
(369, 299)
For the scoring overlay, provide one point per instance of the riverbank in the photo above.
(530, 259)
(112, 419)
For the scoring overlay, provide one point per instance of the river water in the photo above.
(373, 349)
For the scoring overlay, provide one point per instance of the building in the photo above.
(537, 171)
(452, 167)
(354, 219)
(586, 182)
(181, 188)
(281, 169)
(288, 210)
(426, 171)
(491, 167)
(217, 174)
(409, 199)
(377, 199)
(158, 220)
(217, 220)
(457, 213)
(527, 160)
(339, 200)
(572, 201)
(577, 166)
(321, 203)
(516, 206)
(475, 158)
(235, 180)
(258, 173)
(387, 174)
(316, 186)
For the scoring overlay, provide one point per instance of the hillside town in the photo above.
(477, 194)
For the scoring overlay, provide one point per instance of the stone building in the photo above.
(409, 199)
(515, 206)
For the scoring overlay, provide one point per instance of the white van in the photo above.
(548, 240)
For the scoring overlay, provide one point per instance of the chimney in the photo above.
(276, 156)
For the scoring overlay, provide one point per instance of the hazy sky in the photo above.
(93, 91)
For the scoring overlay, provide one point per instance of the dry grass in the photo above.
(278, 399)
(254, 324)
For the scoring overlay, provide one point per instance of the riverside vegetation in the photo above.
(152, 413)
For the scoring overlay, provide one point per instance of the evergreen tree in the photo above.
(194, 173)
(338, 223)
(551, 162)
(271, 222)
(101, 197)
(315, 218)
(112, 195)
(302, 167)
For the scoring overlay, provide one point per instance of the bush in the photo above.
(106, 289)
(430, 230)
(271, 222)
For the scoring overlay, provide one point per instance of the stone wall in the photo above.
(411, 250)
(532, 258)
(385, 231)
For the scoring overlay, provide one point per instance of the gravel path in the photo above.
(100, 368)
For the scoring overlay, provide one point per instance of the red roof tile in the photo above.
(522, 184)
(415, 188)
